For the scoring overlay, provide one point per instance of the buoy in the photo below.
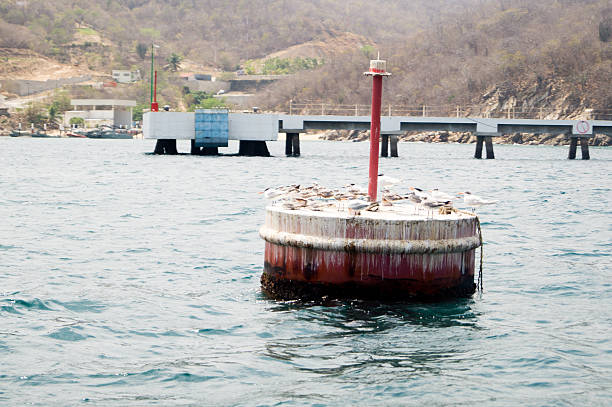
(373, 255)
(346, 244)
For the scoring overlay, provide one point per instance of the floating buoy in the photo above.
(385, 254)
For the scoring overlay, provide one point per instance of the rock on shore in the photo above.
(457, 137)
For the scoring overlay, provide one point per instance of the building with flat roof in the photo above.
(125, 76)
(111, 112)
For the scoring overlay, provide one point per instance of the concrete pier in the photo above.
(210, 151)
(165, 147)
(487, 141)
(584, 148)
(572, 149)
(253, 148)
(265, 127)
(479, 144)
(384, 145)
(292, 144)
(394, 141)
(489, 148)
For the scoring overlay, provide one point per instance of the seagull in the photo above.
(474, 201)
(433, 203)
(356, 205)
(272, 193)
(386, 181)
(440, 196)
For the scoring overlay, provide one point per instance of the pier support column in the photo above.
(572, 149)
(203, 150)
(489, 146)
(209, 151)
(384, 145)
(288, 144)
(295, 141)
(165, 147)
(584, 146)
(194, 150)
(253, 148)
(394, 146)
(479, 143)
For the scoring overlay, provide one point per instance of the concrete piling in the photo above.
(253, 148)
(292, 144)
(572, 149)
(384, 145)
(584, 146)
(394, 140)
(489, 147)
(165, 147)
(479, 143)
(296, 144)
(288, 144)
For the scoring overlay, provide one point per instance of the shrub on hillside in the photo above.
(605, 29)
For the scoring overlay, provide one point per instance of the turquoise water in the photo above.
(133, 279)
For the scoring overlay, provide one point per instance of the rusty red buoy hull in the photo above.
(376, 255)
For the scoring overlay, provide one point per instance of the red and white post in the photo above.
(378, 69)
(154, 104)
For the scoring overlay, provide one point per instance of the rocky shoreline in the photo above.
(467, 138)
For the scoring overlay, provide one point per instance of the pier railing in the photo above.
(516, 112)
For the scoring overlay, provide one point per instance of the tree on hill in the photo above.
(174, 62)
(141, 50)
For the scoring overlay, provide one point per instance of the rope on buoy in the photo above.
(479, 285)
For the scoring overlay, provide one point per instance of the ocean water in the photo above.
(133, 279)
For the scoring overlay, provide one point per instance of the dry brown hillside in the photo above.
(29, 65)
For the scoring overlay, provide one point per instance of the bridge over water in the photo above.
(254, 129)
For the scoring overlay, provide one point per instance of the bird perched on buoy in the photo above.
(386, 181)
(355, 206)
(474, 201)
(440, 196)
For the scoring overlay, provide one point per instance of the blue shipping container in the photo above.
(211, 127)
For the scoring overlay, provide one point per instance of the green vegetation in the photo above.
(368, 51)
(282, 66)
(141, 50)
(150, 33)
(59, 105)
(79, 121)
(138, 110)
(35, 113)
(174, 62)
(87, 31)
(203, 100)
(605, 29)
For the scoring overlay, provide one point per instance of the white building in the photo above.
(110, 112)
(122, 76)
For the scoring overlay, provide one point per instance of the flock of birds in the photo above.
(354, 199)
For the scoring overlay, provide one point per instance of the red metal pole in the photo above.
(375, 135)
(154, 105)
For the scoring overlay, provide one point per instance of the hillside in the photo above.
(512, 51)
(494, 54)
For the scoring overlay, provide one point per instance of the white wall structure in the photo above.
(181, 126)
(247, 126)
(95, 112)
(168, 125)
(124, 76)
